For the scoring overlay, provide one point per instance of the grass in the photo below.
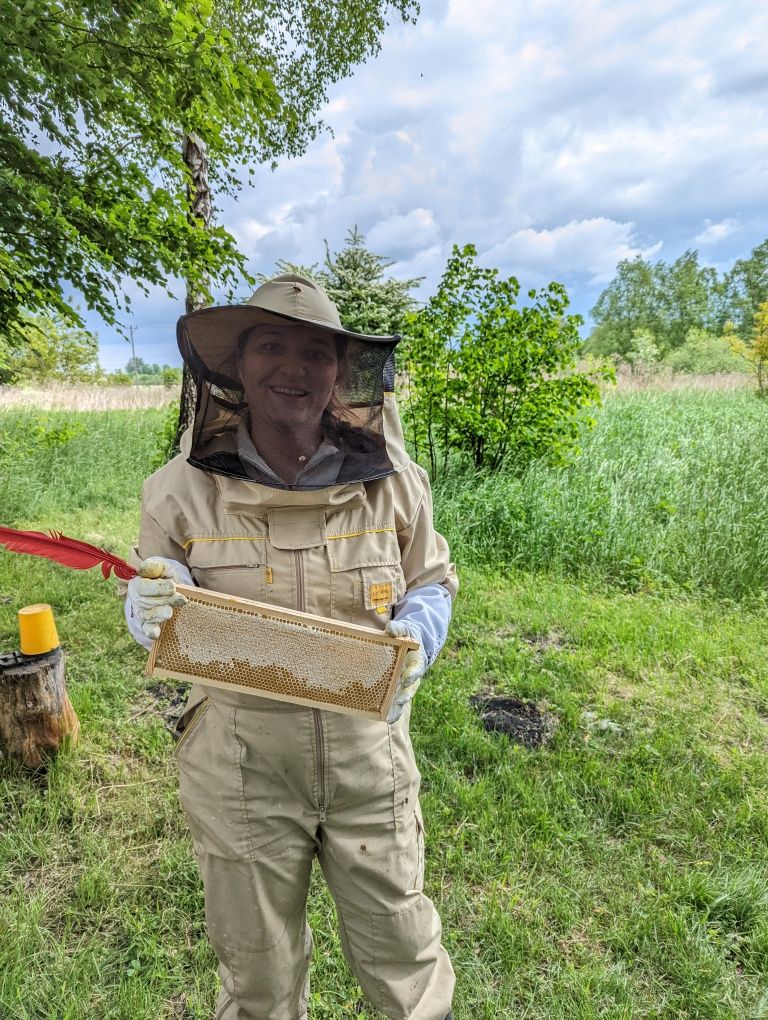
(78, 473)
(671, 489)
(619, 873)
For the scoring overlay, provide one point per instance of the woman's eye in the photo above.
(270, 347)
(318, 355)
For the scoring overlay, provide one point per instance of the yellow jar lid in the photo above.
(37, 630)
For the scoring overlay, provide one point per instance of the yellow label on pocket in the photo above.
(381, 593)
(268, 575)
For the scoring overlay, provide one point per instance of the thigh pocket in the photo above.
(189, 721)
(249, 908)
(407, 778)
(418, 885)
(209, 784)
(405, 946)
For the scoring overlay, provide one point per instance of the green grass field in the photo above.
(621, 872)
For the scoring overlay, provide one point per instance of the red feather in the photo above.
(68, 551)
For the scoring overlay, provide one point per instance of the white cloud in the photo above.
(402, 235)
(713, 233)
(592, 248)
(558, 138)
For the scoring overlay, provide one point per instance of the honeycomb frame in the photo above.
(179, 654)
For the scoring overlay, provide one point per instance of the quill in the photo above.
(68, 551)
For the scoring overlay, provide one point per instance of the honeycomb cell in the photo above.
(236, 643)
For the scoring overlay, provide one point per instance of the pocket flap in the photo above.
(374, 546)
(296, 527)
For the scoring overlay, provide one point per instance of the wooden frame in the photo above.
(155, 667)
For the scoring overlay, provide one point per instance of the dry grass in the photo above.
(88, 398)
(629, 382)
(135, 398)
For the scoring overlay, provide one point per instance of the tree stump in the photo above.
(36, 717)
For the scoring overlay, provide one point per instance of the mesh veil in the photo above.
(336, 380)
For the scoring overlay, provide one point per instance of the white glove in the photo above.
(414, 668)
(152, 594)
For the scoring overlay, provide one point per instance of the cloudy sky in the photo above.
(557, 137)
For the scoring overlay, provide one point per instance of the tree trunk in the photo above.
(200, 212)
(36, 717)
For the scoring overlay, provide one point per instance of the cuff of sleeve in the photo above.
(426, 611)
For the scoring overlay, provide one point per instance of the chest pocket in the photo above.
(230, 565)
(366, 575)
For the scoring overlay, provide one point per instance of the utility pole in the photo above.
(131, 330)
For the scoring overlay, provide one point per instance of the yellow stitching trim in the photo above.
(356, 534)
(226, 538)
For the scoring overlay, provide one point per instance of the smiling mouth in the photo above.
(289, 391)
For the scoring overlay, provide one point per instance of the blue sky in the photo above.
(558, 138)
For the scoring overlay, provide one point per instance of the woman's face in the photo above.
(289, 374)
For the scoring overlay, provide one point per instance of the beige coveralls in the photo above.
(267, 786)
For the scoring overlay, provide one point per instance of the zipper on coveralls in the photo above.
(316, 713)
(235, 566)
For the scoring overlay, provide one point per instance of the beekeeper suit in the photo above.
(294, 488)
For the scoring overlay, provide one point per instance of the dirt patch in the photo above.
(550, 641)
(178, 1008)
(524, 722)
(164, 699)
(620, 687)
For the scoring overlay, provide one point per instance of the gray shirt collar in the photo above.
(320, 470)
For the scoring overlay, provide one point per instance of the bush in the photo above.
(166, 447)
(171, 377)
(50, 349)
(643, 354)
(704, 354)
(491, 382)
(40, 432)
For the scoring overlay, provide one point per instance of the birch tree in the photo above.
(94, 99)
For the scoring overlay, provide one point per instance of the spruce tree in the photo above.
(355, 280)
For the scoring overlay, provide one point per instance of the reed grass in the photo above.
(666, 381)
(83, 397)
(670, 489)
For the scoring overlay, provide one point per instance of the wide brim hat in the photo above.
(208, 338)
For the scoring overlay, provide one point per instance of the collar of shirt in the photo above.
(321, 469)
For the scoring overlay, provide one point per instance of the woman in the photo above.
(294, 488)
